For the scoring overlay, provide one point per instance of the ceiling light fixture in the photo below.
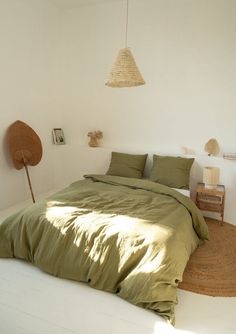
(124, 72)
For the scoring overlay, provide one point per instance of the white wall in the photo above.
(29, 31)
(186, 52)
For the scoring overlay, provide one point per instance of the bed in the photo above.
(131, 237)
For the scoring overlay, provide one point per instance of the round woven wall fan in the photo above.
(25, 148)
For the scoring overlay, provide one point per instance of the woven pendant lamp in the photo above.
(124, 72)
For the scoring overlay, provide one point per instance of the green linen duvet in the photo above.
(126, 236)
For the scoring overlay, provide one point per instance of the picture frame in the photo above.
(58, 136)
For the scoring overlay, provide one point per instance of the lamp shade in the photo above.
(211, 176)
(124, 72)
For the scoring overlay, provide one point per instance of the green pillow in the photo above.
(171, 171)
(128, 165)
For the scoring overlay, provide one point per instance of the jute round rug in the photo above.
(211, 269)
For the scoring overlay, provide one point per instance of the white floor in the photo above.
(32, 302)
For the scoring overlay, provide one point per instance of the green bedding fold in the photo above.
(126, 236)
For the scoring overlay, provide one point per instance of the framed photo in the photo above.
(58, 136)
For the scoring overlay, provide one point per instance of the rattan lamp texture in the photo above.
(124, 72)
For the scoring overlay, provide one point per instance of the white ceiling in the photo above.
(65, 4)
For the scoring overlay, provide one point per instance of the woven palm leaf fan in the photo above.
(25, 148)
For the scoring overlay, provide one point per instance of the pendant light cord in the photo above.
(127, 21)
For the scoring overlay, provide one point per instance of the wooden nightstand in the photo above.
(212, 200)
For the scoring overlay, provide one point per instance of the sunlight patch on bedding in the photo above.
(62, 217)
(151, 266)
(59, 216)
(86, 224)
(121, 230)
(113, 224)
(56, 211)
